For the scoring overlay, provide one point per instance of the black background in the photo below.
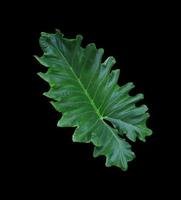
(139, 40)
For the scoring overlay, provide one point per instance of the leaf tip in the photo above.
(79, 37)
(101, 50)
(113, 60)
(140, 96)
(37, 58)
(41, 75)
(131, 85)
(43, 34)
(60, 124)
(91, 46)
(74, 138)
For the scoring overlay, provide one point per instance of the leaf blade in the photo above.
(86, 92)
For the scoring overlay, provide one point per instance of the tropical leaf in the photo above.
(86, 92)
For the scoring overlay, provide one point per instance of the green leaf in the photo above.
(85, 91)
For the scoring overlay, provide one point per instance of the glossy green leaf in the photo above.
(85, 90)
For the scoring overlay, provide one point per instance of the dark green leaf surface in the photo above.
(85, 91)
